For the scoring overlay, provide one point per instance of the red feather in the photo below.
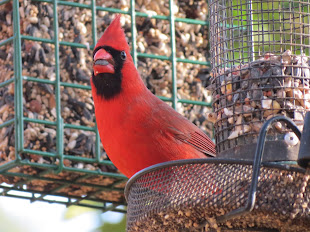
(136, 128)
(114, 35)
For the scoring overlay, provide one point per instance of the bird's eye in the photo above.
(123, 55)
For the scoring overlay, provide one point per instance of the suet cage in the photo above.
(260, 83)
(50, 148)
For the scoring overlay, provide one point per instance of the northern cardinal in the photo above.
(136, 128)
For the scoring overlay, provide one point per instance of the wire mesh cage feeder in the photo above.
(260, 60)
(260, 72)
(38, 160)
(50, 148)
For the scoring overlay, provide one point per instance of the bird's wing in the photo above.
(197, 139)
(181, 128)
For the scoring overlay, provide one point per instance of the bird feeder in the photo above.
(260, 66)
(260, 81)
(50, 148)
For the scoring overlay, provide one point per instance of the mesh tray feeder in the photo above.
(224, 194)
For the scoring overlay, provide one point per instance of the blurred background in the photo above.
(18, 215)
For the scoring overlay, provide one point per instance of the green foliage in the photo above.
(106, 224)
(74, 211)
(113, 227)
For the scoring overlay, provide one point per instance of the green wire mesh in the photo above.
(50, 168)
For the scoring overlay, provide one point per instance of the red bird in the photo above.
(136, 128)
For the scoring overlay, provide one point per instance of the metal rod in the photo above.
(7, 123)
(61, 181)
(65, 84)
(6, 41)
(94, 23)
(78, 127)
(207, 63)
(39, 121)
(7, 82)
(8, 166)
(69, 157)
(18, 99)
(250, 29)
(94, 36)
(87, 160)
(3, 2)
(62, 43)
(186, 101)
(195, 102)
(98, 172)
(59, 120)
(173, 55)
(97, 145)
(7, 193)
(76, 86)
(65, 125)
(159, 57)
(133, 32)
(41, 153)
(72, 169)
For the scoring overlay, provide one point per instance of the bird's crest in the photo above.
(114, 36)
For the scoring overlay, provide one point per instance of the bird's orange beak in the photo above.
(103, 62)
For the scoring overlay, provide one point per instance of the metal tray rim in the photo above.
(282, 165)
